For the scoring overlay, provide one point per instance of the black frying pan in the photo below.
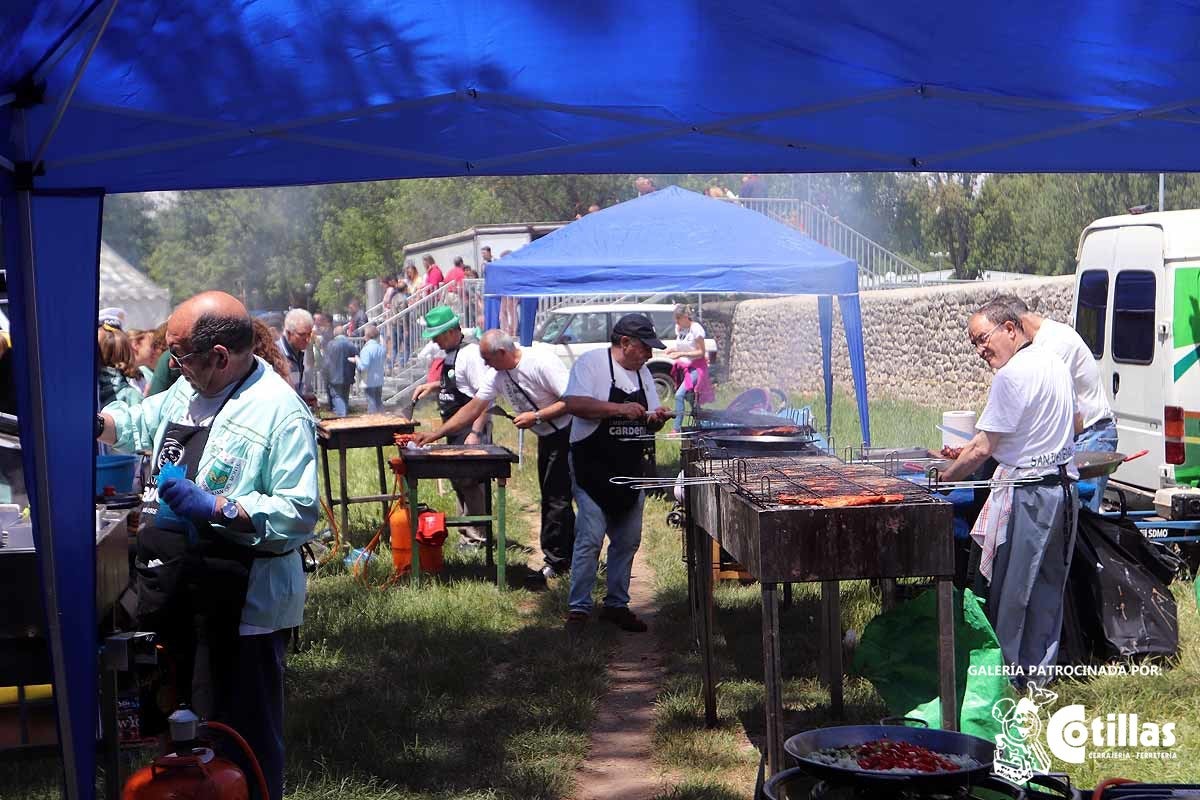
(803, 745)
(1096, 463)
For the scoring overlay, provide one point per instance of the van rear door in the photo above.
(1136, 362)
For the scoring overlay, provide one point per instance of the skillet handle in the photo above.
(1138, 454)
(904, 721)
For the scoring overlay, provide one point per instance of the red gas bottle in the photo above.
(431, 537)
(189, 773)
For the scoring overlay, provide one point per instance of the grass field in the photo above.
(458, 690)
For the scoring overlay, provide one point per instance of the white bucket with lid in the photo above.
(962, 421)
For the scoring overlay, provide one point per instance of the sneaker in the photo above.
(623, 618)
(575, 622)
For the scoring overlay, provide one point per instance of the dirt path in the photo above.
(620, 761)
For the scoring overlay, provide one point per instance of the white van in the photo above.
(1137, 305)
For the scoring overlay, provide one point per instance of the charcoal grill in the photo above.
(736, 501)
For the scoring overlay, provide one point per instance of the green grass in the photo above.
(451, 690)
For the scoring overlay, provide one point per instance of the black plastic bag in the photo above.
(1118, 601)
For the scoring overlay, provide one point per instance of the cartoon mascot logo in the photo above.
(1019, 750)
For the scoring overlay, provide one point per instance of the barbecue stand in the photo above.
(492, 462)
(350, 433)
(734, 501)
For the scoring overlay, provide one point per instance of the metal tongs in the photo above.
(644, 483)
(934, 483)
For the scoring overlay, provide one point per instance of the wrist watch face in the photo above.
(229, 510)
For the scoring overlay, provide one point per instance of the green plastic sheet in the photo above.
(898, 654)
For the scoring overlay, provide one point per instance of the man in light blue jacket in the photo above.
(235, 448)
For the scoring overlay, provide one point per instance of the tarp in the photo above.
(676, 241)
(100, 96)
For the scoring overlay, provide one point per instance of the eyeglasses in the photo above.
(179, 359)
(983, 340)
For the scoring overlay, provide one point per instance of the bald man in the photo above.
(218, 555)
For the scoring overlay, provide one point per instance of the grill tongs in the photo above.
(638, 484)
(934, 483)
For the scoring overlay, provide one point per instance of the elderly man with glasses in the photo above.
(232, 498)
(1026, 529)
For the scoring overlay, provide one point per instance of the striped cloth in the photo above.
(991, 528)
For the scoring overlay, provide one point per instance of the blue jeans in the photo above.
(339, 398)
(681, 397)
(374, 399)
(624, 537)
(1102, 437)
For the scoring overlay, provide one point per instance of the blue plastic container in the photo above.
(117, 471)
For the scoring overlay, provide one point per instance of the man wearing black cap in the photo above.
(611, 395)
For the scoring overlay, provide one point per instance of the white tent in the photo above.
(146, 304)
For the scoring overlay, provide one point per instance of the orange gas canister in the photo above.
(400, 525)
(198, 775)
(431, 537)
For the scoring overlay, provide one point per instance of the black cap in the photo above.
(638, 326)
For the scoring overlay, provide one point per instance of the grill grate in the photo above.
(762, 479)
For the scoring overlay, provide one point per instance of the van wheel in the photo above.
(664, 386)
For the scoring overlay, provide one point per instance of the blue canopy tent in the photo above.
(674, 240)
(103, 96)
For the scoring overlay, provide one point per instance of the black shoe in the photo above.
(536, 582)
(623, 618)
(576, 620)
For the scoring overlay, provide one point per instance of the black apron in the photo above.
(450, 399)
(201, 573)
(602, 454)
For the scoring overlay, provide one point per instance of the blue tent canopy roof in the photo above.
(183, 94)
(673, 240)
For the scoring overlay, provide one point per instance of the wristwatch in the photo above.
(229, 509)
(537, 417)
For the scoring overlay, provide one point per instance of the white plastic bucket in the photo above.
(963, 421)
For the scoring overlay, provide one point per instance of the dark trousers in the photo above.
(248, 696)
(339, 399)
(558, 515)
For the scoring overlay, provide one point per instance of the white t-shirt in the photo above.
(1069, 346)
(590, 378)
(470, 373)
(685, 339)
(1031, 405)
(542, 376)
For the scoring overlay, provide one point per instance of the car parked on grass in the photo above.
(573, 330)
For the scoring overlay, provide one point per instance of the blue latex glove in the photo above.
(188, 500)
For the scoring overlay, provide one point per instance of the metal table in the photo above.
(782, 544)
(349, 433)
(483, 462)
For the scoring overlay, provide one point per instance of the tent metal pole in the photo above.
(1056, 133)
(79, 70)
(269, 133)
(243, 128)
(63, 692)
(800, 144)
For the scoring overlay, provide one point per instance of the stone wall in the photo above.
(915, 340)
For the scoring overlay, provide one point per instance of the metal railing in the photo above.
(878, 267)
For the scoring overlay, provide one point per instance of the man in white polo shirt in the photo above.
(534, 382)
(1095, 426)
(1027, 527)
